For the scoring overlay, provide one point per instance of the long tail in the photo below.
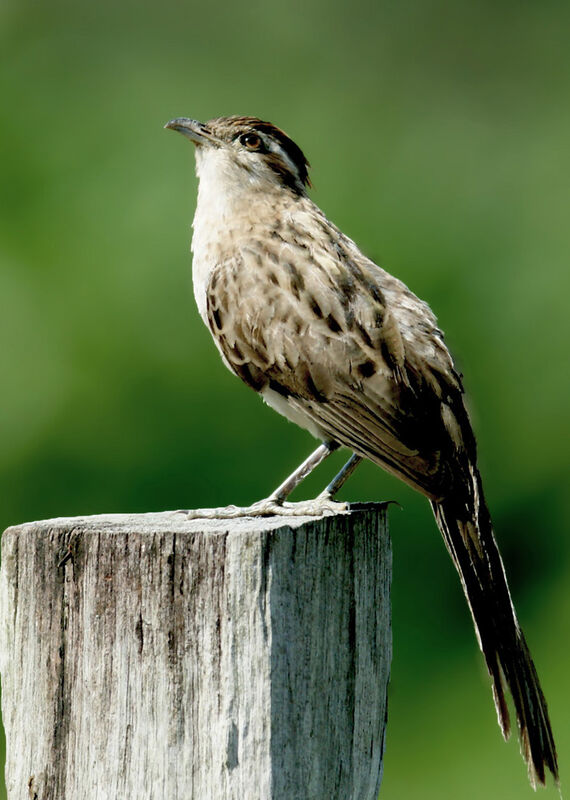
(466, 527)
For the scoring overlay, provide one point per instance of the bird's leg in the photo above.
(275, 504)
(317, 457)
(341, 478)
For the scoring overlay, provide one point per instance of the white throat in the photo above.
(226, 194)
(214, 208)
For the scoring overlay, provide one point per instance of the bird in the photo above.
(345, 350)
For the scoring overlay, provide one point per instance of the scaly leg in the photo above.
(341, 478)
(283, 491)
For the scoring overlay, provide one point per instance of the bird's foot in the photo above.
(318, 507)
(270, 507)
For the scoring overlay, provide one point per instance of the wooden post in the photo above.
(151, 656)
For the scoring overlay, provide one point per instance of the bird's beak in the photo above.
(193, 130)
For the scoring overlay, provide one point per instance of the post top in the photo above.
(178, 522)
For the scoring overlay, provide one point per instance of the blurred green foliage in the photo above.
(438, 133)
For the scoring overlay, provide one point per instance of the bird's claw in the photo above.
(320, 506)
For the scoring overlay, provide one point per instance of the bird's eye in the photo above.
(251, 140)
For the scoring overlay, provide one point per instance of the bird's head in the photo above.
(243, 152)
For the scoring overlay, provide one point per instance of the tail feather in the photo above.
(466, 527)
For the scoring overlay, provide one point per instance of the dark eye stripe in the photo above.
(293, 151)
(254, 124)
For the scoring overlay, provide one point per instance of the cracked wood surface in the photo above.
(152, 656)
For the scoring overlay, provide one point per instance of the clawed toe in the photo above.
(320, 506)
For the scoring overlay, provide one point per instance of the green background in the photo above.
(439, 138)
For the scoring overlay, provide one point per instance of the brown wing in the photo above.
(349, 347)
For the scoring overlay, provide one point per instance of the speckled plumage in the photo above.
(306, 316)
(344, 349)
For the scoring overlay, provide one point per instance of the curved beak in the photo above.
(196, 131)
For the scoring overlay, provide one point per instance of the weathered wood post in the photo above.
(151, 656)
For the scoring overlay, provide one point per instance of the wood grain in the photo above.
(151, 656)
